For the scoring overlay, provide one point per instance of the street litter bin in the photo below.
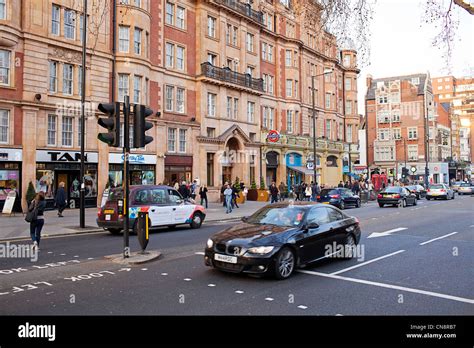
(364, 196)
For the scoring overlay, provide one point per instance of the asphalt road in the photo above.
(406, 272)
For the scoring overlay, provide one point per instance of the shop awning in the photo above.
(302, 170)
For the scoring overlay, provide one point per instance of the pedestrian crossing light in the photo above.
(111, 123)
(140, 126)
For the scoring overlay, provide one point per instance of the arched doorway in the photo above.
(231, 160)
(272, 166)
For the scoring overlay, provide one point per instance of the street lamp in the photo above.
(327, 71)
(82, 211)
(427, 143)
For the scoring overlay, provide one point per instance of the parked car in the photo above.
(281, 237)
(396, 196)
(165, 207)
(339, 197)
(418, 190)
(436, 191)
(465, 188)
(455, 185)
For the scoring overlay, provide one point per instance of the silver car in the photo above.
(439, 191)
(465, 188)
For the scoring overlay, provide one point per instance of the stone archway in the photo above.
(233, 160)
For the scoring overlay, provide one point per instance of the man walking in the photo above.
(282, 190)
(273, 193)
(60, 199)
(228, 199)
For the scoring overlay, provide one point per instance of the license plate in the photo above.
(325, 202)
(108, 211)
(225, 258)
(435, 194)
(107, 217)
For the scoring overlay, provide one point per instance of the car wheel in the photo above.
(453, 195)
(381, 205)
(171, 227)
(358, 203)
(115, 231)
(197, 220)
(284, 263)
(349, 246)
(342, 206)
(428, 198)
(415, 202)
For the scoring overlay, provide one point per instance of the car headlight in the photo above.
(262, 250)
(210, 243)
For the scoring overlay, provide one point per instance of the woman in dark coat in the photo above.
(203, 194)
(60, 199)
(36, 225)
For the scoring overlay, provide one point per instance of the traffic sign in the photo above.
(273, 136)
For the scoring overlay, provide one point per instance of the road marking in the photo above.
(302, 307)
(187, 279)
(389, 286)
(269, 299)
(50, 252)
(432, 240)
(144, 269)
(164, 274)
(339, 315)
(76, 256)
(90, 258)
(374, 218)
(62, 254)
(367, 262)
(199, 253)
(471, 226)
(386, 233)
(211, 285)
(239, 292)
(124, 270)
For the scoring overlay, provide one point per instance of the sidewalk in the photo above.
(13, 227)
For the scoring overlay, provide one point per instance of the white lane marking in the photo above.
(432, 240)
(187, 279)
(211, 285)
(386, 233)
(164, 274)
(76, 256)
(367, 262)
(90, 258)
(339, 315)
(199, 253)
(50, 252)
(268, 299)
(239, 292)
(302, 307)
(325, 256)
(374, 218)
(389, 286)
(471, 226)
(62, 254)
(144, 269)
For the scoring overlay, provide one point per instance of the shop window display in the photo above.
(45, 182)
(9, 181)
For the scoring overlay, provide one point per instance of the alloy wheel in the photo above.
(286, 263)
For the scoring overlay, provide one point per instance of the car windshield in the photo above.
(412, 188)
(115, 194)
(393, 189)
(437, 187)
(326, 192)
(286, 216)
(465, 184)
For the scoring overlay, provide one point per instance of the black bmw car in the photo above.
(396, 196)
(339, 197)
(280, 237)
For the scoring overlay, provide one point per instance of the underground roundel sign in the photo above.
(273, 136)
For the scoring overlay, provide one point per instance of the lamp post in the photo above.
(427, 143)
(327, 71)
(82, 209)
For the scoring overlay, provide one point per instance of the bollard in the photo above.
(141, 229)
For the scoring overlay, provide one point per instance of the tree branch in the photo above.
(468, 7)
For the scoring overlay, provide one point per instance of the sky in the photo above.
(401, 44)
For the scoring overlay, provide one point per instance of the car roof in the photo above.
(299, 204)
(136, 187)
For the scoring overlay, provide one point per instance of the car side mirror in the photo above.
(245, 218)
(311, 225)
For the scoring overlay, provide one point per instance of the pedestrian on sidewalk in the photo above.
(228, 199)
(37, 207)
(60, 199)
(223, 188)
(235, 195)
(273, 193)
(282, 189)
(308, 193)
(341, 184)
(203, 194)
(184, 191)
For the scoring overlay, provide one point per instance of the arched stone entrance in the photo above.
(232, 160)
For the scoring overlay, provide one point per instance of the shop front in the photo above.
(10, 176)
(271, 160)
(438, 172)
(295, 170)
(180, 168)
(142, 169)
(54, 167)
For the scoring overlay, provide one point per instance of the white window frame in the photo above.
(412, 152)
(250, 111)
(137, 89)
(70, 24)
(52, 132)
(5, 67)
(169, 16)
(288, 59)
(249, 42)
(169, 55)
(137, 41)
(65, 140)
(56, 22)
(171, 140)
(289, 88)
(123, 88)
(349, 133)
(180, 17)
(181, 141)
(236, 108)
(169, 98)
(412, 132)
(229, 104)
(289, 121)
(211, 26)
(124, 38)
(4, 126)
(68, 79)
(180, 100)
(211, 104)
(180, 57)
(3, 9)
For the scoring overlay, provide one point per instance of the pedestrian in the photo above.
(60, 199)
(193, 189)
(347, 185)
(308, 192)
(235, 195)
(273, 193)
(176, 186)
(282, 190)
(203, 194)
(36, 210)
(223, 188)
(228, 199)
(356, 188)
(183, 190)
(341, 184)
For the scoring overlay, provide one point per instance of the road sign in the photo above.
(310, 165)
(413, 169)
(273, 136)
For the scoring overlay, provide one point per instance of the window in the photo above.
(4, 126)
(137, 87)
(229, 107)
(169, 16)
(180, 58)
(137, 41)
(270, 53)
(397, 133)
(212, 58)
(5, 67)
(269, 21)
(348, 107)
(349, 133)
(211, 104)
(3, 10)
(79, 80)
(123, 88)
(347, 84)
(211, 132)
(289, 121)
(265, 117)
(169, 55)
(211, 26)
(171, 139)
(236, 108)
(180, 17)
(412, 132)
(53, 77)
(268, 83)
(250, 112)
(383, 134)
(412, 152)
(231, 35)
(328, 129)
(180, 100)
(396, 116)
(383, 100)
(55, 20)
(67, 131)
(271, 118)
(182, 140)
(69, 24)
(249, 42)
(210, 169)
(415, 80)
(124, 39)
(67, 79)
(328, 100)
(52, 120)
(289, 88)
(250, 70)
(169, 98)
(288, 58)
(318, 216)
(264, 51)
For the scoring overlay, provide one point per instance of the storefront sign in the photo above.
(8, 207)
(65, 156)
(345, 169)
(273, 136)
(133, 158)
(11, 155)
(310, 165)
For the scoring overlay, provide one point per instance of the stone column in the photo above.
(29, 143)
(102, 169)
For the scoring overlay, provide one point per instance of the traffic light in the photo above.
(404, 172)
(140, 126)
(112, 123)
